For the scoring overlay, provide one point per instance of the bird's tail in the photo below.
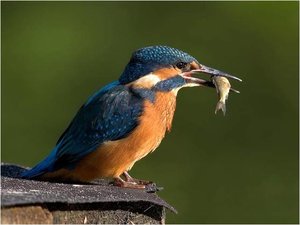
(220, 105)
(43, 167)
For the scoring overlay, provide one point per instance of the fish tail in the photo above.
(221, 105)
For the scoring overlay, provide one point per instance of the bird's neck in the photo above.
(162, 105)
(145, 93)
(165, 105)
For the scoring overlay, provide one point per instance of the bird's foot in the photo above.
(128, 178)
(128, 184)
(131, 182)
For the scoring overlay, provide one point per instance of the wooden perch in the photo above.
(28, 201)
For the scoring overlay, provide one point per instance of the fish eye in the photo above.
(181, 65)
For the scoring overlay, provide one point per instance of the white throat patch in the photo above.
(146, 81)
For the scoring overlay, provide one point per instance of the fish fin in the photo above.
(234, 90)
(221, 105)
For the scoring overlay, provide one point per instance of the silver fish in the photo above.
(223, 87)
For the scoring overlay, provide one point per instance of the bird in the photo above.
(125, 120)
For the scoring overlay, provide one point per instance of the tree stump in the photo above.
(28, 201)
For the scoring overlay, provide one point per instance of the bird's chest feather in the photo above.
(160, 113)
(112, 158)
(155, 122)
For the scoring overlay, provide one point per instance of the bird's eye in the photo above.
(181, 65)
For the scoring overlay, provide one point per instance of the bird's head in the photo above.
(165, 69)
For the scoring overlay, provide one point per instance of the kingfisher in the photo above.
(125, 120)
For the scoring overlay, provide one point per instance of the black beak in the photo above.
(207, 70)
(214, 72)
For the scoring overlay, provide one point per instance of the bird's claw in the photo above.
(148, 186)
(143, 182)
(127, 184)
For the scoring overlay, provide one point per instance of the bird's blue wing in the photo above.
(110, 114)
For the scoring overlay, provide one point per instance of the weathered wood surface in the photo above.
(28, 201)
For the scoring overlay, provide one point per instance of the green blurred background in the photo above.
(242, 168)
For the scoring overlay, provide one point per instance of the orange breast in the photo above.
(112, 158)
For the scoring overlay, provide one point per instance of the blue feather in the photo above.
(170, 84)
(146, 60)
(110, 114)
(145, 93)
(43, 166)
